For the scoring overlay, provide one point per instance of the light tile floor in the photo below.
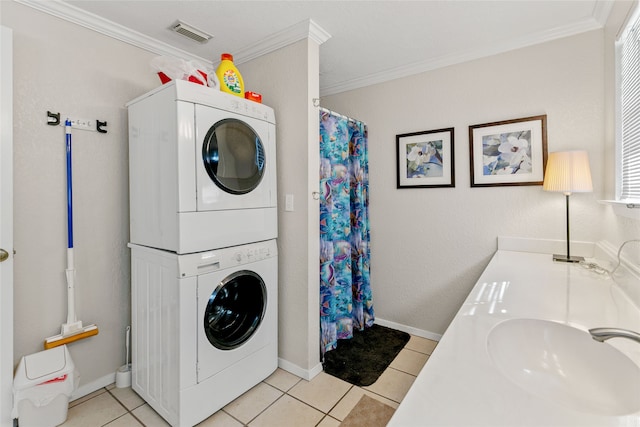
(281, 400)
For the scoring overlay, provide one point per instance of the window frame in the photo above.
(625, 204)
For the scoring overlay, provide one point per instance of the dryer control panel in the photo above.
(247, 108)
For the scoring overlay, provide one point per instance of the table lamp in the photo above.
(568, 172)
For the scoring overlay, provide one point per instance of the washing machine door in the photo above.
(234, 156)
(235, 309)
(237, 312)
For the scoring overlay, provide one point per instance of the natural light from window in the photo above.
(628, 114)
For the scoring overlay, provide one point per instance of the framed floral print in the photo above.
(425, 159)
(511, 152)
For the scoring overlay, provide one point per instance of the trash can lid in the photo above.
(45, 363)
(43, 366)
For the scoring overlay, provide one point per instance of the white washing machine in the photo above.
(204, 327)
(202, 169)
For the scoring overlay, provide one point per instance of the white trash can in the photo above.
(42, 386)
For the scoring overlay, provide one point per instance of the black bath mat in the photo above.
(362, 359)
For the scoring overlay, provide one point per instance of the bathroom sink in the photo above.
(563, 364)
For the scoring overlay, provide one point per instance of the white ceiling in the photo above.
(367, 42)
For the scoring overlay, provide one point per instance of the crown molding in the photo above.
(602, 10)
(61, 9)
(317, 33)
(311, 30)
(303, 30)
(470, 55)
(68, 12)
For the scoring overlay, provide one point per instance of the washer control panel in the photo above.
(249, 253)
(220, 259)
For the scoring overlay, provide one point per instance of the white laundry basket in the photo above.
(42, 386)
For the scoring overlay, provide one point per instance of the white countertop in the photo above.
(460, 386)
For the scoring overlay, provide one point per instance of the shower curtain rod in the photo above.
(326, 110)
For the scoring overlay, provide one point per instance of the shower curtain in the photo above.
(345, 292)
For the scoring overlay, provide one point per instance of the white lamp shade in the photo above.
(568, 172)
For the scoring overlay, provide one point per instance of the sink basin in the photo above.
(563, 364)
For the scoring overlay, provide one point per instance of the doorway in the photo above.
(6, 225)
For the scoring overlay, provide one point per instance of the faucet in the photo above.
(603, 334)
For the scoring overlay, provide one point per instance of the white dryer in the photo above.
(204, 327)
(202, 169)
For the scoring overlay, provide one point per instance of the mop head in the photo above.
(56, 340)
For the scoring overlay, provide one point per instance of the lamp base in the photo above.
(564, 258)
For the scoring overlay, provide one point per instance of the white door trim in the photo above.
(6, 225)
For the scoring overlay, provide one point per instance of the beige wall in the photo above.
(288, 81)
(430, 245)
(65, 68)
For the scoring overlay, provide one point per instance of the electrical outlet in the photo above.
(84, 124)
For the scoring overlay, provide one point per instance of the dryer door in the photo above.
(235, 161)
(234, 156)
(235, 309)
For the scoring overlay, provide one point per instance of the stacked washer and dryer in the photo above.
(204, 281)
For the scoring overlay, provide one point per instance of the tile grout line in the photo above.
(318, 409)
(405, 372)
(264, 410)
(267, 407)
(417, 351)
(384, 397)
(129, 411)
(126, 413)
(327, 414)
(222, 410)
(340, 400)
(325, 417)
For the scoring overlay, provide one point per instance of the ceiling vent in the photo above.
(191, 32)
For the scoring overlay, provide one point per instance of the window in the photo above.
(628, 115)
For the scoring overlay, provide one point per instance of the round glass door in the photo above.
(235, 309)
(233, 156)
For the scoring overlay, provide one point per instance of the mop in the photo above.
(73, 329)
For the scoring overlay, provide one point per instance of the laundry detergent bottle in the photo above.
(229, 76)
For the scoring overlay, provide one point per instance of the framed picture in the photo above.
(425, 159)
(511, 152)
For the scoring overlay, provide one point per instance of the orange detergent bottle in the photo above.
(229, 76)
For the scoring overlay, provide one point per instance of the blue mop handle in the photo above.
(67, 131)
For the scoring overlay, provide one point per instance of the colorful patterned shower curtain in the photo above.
(345, 291)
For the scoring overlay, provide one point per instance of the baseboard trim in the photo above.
(95, 385)
(409, 329)
(85, 389)
(307, 374)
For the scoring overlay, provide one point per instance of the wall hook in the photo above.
(53, 119)
(99, 126)
(315, 102)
